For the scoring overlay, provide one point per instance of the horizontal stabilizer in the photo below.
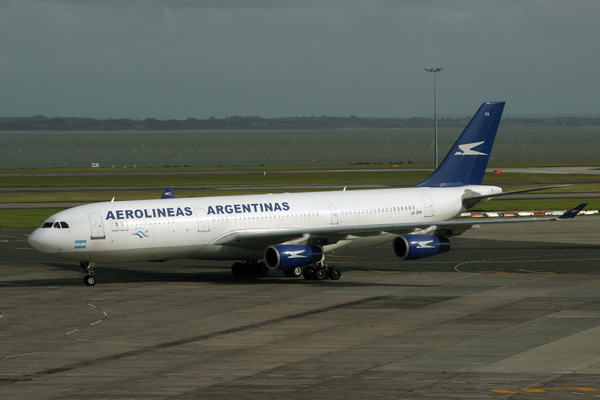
(471, 201)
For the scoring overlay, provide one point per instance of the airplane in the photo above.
(290, 232)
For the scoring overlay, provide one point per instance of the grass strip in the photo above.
(259, 178)
(25, 218)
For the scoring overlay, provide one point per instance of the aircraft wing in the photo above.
(260, 239)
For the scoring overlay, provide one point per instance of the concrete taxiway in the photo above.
(512, 311)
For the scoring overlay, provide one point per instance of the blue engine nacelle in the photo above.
(289, 256)
(413, 247)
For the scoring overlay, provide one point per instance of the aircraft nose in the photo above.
(38, 241)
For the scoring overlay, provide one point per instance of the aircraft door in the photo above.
(334, 215)
(202, 220)
(97, 226)
(428, 203)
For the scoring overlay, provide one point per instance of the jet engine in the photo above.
(289, 256)
(413, 247)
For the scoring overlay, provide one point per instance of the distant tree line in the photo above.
(42, 123)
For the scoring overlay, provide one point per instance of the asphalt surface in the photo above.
(511, 312)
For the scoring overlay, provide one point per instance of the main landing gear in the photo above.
(250, 268)
(321, 271)
(316, 272)
(89, 279)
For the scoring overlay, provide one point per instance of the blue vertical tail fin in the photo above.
(466, 162)
(168, 193)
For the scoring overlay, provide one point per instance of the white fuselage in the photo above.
(147, 230)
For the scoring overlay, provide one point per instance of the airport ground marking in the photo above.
(18, 355)
(22, 355)
(89, 303)
(544, 390)
(535, 272)
(2, 315)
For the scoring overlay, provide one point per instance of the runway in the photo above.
(510, 312)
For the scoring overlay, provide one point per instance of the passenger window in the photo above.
(47, 225)
(64, 225)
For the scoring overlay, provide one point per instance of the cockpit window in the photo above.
(56, 225)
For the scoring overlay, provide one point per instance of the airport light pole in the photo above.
(435, 140)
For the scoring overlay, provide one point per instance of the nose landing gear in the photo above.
(89, 279)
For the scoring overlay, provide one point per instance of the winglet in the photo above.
(573, 212)
(168, 194)
(466, 162)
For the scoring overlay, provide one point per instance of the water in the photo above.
(294, 147)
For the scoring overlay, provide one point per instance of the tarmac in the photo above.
(511, 312)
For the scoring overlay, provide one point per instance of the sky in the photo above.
(279, 58)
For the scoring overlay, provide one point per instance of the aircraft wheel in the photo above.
(89, 280)
(293, 273)
(249, 269)
(237, 269)
(309, 273)
(262, 269)
(334, 273)
(320, 273)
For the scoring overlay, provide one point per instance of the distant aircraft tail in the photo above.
(466, 162)
(572, 213)
(168, 193)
